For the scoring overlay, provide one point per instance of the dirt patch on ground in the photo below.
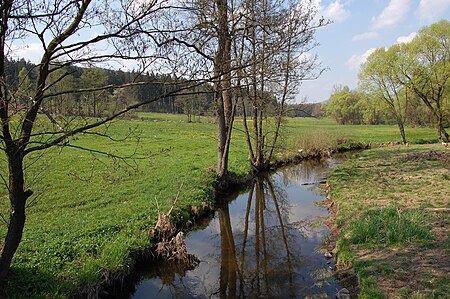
(430, 156)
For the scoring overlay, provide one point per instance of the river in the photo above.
(264, 243)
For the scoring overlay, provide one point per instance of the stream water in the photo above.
(265, 243)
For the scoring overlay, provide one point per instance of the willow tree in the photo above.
(67, 32)
(426, 70)
(380, 75)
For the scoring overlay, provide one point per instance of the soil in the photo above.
(431, 155)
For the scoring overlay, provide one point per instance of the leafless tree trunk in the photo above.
(222, 84)
(279, 41)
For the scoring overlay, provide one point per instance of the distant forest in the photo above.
(22, 75)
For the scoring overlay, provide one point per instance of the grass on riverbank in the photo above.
(390, 231)
(89, 212)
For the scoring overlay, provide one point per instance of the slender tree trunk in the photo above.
(221, 136)
(251, 155)
(18, 197)
(254, 91)
(222, 85)
(441, 131)
(402, 131)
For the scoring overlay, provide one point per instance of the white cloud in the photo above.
(406, 39)
(355, 61)
(31, 52)
(336, 12)
(392, 14)
(430, 10)
(365, 36)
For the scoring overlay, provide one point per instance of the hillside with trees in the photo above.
(22, 76)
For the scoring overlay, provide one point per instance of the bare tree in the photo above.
(64, 29)
(279, 37)
(206, 29)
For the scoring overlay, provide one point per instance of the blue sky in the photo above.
(359, 27)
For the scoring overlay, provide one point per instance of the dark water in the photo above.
(263, 244)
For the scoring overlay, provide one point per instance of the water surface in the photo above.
(264, 243)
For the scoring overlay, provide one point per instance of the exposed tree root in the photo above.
(170, 244)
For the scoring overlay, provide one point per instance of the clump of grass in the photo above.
(345, 256)
(367, 283)
(390, 226)
(319, 141)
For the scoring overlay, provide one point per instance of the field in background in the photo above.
(89, 211)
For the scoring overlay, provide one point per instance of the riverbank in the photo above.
(391, 220)
(90, 215)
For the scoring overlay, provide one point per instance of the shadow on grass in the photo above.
(31, 283)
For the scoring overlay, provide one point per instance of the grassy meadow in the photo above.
(90, 212)
(392, 215)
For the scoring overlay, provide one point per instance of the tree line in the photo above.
(406, 84)
(355, 107)
(21, 76)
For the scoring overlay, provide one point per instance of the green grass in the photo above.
(358, 134)
(390, 226)
(89, 212)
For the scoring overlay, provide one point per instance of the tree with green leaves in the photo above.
(380, 77)
(425, 70)
(345, 106)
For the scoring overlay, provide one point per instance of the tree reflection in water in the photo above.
(265, 264)
(260, 245)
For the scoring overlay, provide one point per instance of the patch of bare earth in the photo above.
(431, 155)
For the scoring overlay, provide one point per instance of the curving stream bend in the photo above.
(264, 243)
